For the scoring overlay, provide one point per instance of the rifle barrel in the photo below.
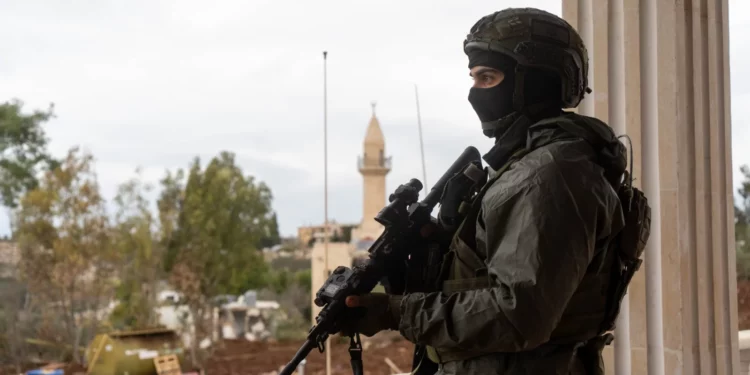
(306, 348)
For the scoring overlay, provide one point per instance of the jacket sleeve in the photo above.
(540, 234)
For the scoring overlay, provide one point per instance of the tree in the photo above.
(222, 221)
(219, 223)
(335, 237)
(134, 240)
(304, 278)
(271, 237)
(169, 205)
(12, 346)
(22, 156)
(347, 237)
(23, 150)
(279, 280)
(66, 260)
(742, 226)
(292, 291)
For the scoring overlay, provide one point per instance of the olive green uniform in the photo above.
(544, 251)
(529, 283)
(525, 286)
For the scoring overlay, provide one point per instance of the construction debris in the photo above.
(392, 365)
(133, 352)
(50, 369)
(167, 365)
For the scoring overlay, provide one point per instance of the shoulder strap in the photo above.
(606, 151)
(582, 127)
(577, 129)
(467, 232)
(517, 155)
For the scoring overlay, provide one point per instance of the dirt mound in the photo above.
(243, 357)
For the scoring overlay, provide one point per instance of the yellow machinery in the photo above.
(133, 352)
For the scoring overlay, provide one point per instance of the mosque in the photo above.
(374, 166)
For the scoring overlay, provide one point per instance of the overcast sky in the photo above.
(154, 83)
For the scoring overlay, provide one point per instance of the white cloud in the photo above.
(155, 83)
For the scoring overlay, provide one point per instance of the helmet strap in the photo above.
(492, 128)
(538, 111)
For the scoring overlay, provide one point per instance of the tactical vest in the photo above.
(593, 306)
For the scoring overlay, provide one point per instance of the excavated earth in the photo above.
(243, 357)
(236, 357)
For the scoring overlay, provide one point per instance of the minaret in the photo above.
(374, 166)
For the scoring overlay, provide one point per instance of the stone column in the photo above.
(681, 132)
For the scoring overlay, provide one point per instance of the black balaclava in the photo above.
(496, 102)
(541, 88)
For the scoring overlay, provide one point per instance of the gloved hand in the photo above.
(374, 312)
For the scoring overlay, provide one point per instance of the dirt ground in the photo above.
(70, 368)
(242, 357)
(743, 304)
(255, 358)
(252, 358)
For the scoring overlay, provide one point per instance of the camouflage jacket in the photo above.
(539, 233)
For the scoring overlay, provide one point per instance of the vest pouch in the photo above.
(469, 271)
(628, 246)
(466, 262)
(466, 271)
(633, 237)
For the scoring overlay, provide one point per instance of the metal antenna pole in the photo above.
(325, 188)
(421, 144)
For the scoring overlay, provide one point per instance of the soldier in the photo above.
(528, 287)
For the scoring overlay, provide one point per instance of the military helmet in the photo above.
(535, 39)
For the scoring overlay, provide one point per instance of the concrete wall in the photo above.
(660, 74)
(339, 254)
(373, 186)
(744, 346)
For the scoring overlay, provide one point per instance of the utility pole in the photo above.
(325, 189)
(421, 143)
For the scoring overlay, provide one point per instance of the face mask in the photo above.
(493, 103)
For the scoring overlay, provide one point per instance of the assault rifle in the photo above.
(404, 218)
